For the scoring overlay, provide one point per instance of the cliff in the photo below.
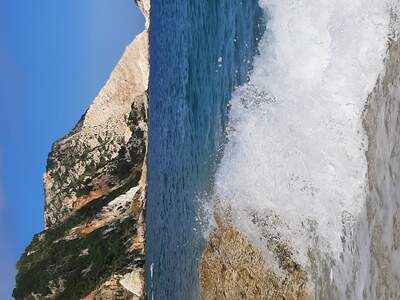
(95, 195)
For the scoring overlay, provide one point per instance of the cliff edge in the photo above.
(95, 195)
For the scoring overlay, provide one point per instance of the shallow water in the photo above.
(200, 51)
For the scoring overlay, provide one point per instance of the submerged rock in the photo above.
(95, 190)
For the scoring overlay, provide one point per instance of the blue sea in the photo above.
(200, 51)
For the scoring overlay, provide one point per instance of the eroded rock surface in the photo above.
(106, 149)
(95, 190)
(232, 268)
(382, 121)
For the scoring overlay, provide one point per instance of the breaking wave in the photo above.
(296, 151)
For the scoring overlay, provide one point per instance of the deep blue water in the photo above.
(200, 51)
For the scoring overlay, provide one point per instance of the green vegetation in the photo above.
(82, 263)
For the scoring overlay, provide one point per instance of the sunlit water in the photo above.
(200, 50)
(291, 143)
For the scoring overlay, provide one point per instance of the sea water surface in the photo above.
(273, 128)
(295, 165)
(200, 51)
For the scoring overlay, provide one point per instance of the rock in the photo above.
(95, 196)
(232, 268)
(382, 122)
(106, 149)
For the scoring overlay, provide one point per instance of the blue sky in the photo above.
(54, 58)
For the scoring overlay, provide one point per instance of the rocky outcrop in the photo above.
(95, 196)
(144, 6)
(382, 121)
(232, 268)
(106, 148)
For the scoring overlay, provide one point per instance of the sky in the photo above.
(54, 58)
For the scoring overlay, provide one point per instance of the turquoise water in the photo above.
(200, 51)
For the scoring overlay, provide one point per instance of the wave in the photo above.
(296, 151)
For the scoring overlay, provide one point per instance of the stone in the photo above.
(93, 245)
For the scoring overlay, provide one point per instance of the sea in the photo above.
(201, 50)
(260, 104)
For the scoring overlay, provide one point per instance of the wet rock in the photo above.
(232, 268)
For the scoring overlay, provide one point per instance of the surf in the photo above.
(295, 167)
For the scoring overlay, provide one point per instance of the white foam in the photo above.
(296, 141)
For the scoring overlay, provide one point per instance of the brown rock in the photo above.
(232, 268)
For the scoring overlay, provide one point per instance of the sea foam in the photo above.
(296, 143)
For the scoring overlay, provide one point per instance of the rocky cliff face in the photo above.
(95, 194)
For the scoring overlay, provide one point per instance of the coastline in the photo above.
(93, 245)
